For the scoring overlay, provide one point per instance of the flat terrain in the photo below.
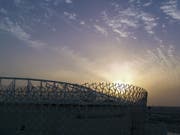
(170, 116)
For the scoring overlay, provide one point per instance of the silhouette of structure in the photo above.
(34, 107)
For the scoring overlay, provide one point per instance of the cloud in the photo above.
(18, 32)
(118, 25)
(68, 1)
(121, 33)
(82, 22)
(70, 61)
(101, 30)
(130, 1)
(17, 2)
(125, 22)
(71, 16)
(165, 58)
(149, 22)
(129, 23)
(170, 8)
(3, 11)
(147, 4)
(14, 28)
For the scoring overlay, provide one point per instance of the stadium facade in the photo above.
(44, 107)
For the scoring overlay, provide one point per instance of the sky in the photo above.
(121, 41)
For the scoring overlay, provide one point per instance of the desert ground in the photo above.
(170, 116)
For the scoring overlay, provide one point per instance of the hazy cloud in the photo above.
(166, 58)
(18, 32)
(68, 1)
(147, 4)
(82, 22)
(101, 30)
(149, 22)
(126, 21)
(3, 11)
(71, 16)
(121, 33)
(170, 8)
(17, 2)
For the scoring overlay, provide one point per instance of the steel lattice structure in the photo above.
(28, 90)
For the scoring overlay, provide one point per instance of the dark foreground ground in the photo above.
(170, 116)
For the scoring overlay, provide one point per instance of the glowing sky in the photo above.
(131, 41)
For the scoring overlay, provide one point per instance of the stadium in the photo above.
(45, 107)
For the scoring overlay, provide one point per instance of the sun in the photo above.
(123, 78)
(120, 74)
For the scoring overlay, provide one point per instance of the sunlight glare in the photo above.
(120, 74)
